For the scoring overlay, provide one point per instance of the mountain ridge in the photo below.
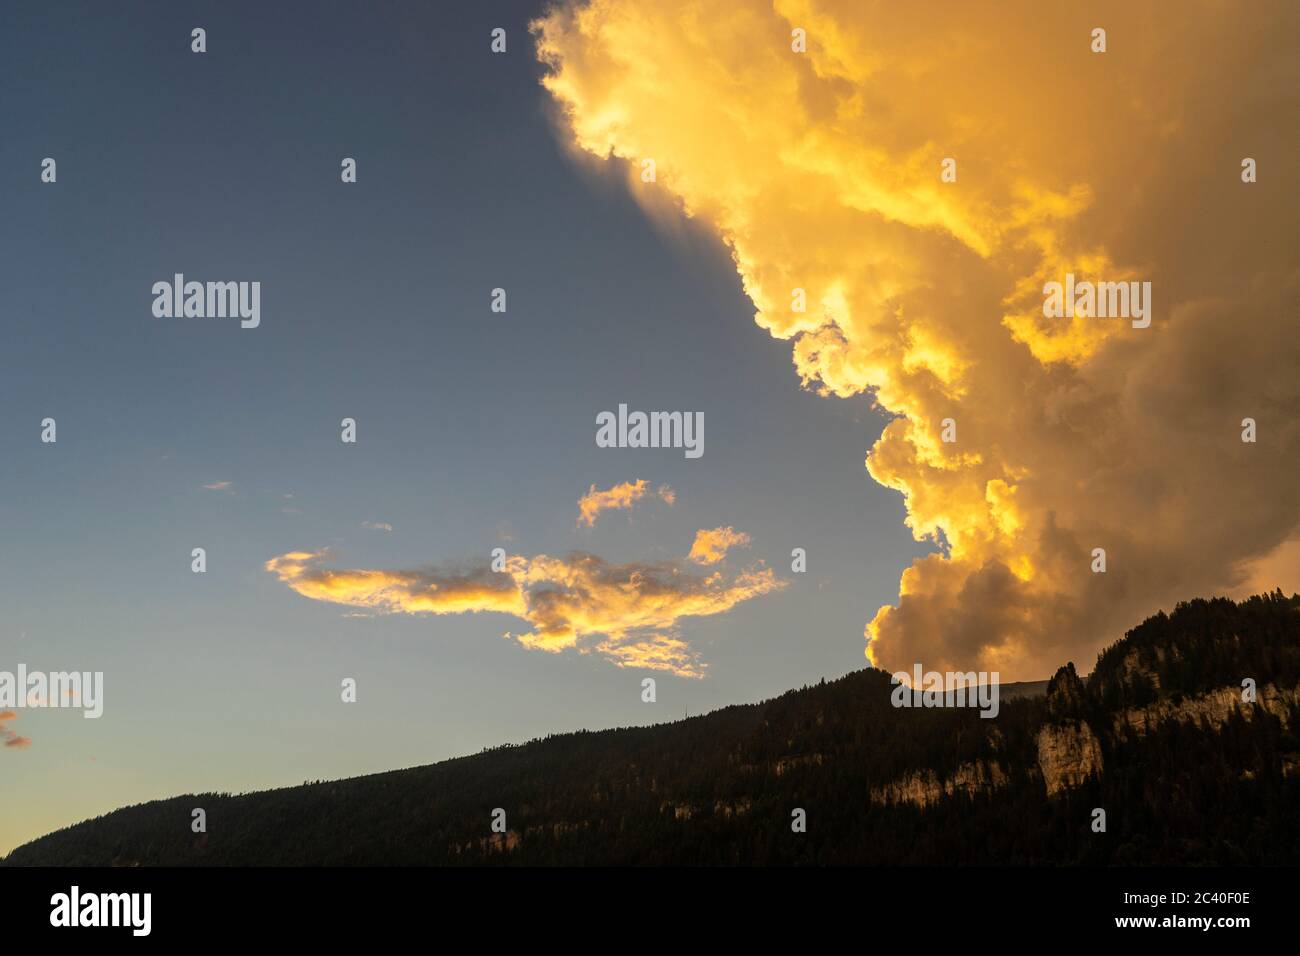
(1156, 737)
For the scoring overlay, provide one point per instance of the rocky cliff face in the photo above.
(1068, 748)
(1068, 753)
(925, 787)
(1213, 708)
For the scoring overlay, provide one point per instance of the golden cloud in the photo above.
(623, 495)
(821, 171)
(628, 613)
(405, 592)
(712, 544)
(10, 738)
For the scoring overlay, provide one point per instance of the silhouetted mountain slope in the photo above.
(1159, 738)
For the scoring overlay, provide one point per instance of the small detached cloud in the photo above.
(377, 525)
(9, 738)
(712, 544)
(226, 486)
(621, 496)
(629, 614)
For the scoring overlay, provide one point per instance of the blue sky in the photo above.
(475, 429)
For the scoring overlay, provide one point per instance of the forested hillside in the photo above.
(1159, 737)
